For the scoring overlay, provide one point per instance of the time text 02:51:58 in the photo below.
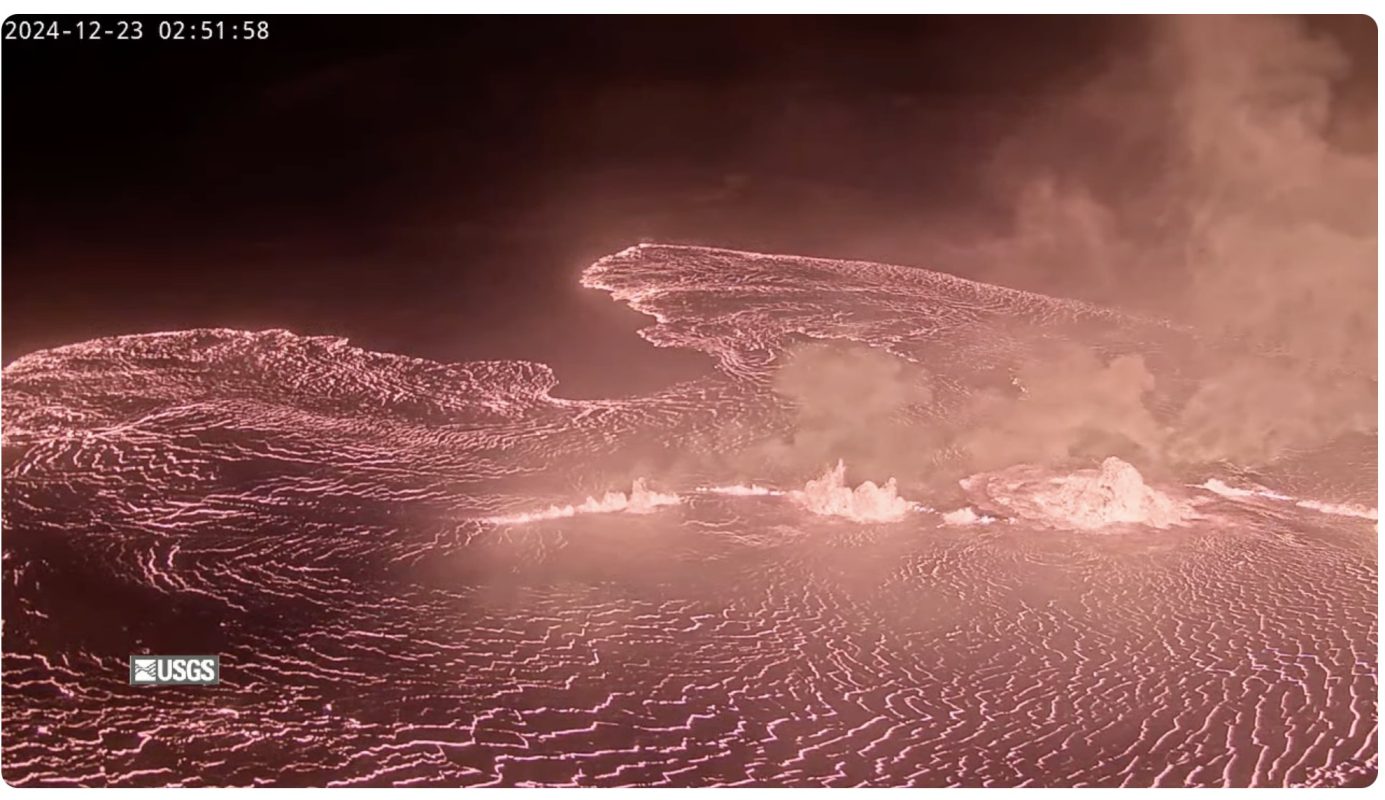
(136, 29)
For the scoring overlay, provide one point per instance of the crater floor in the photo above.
(333, 523)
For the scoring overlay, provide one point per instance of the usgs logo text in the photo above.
(175, 670)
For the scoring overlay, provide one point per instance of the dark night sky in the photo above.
(432, 186)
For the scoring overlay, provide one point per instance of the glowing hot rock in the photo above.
(830, 496)
(1086, 499)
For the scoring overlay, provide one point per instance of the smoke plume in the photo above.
(1071, 405)
(849, 402)
(1222, 173)
(1219, 172)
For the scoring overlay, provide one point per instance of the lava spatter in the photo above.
(829, 495)
(640, 500)
(1113, 494)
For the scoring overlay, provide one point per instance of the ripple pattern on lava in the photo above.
(324, 518)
